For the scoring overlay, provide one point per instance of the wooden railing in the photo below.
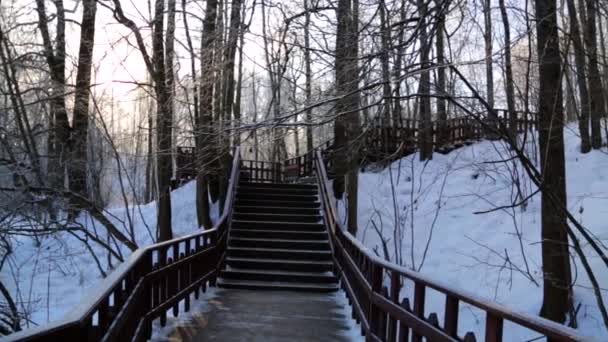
(261, 171)
(153, 280)
(382, 141)
(374, 289)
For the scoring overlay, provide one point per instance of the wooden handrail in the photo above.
(379, 310)
(151, 281)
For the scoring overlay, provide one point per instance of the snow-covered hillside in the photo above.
(52, 277)
(438, 205)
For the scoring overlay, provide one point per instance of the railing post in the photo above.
(419, 294)
(493, 328)
(374, 314)
(451, 315)
(395, 288)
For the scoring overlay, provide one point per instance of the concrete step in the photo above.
(279, 264)
(277, 225)
(277, 209)
(269, 285)
(277, 217)
(262, 201)
(319, 245)
(282, 276)
(279, 253)
(278, 234)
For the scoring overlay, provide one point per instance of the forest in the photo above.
(465, 139)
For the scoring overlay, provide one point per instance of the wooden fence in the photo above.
(373, 287)
(153, 280)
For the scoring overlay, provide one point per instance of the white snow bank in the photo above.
(52, 278)
(436, 204)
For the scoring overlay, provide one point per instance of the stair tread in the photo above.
(275, 214)
(276, 222)
(284, 188)
(276, 284)
(279, 272)
(278, 207)
(283, 261)
(286, 250)
(279, 185)
(280, 231)
(280, 240)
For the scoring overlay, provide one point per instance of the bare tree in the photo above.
(557, 291)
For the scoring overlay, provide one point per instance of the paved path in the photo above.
(244, 315)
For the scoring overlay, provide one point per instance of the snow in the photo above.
(438, 204)
(54, 277)
(465, 250)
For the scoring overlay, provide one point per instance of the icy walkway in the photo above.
(245, 315)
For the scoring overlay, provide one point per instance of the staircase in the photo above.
(278, 240)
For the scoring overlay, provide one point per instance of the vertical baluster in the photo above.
(102, 316)
(375, 314)
(395, 288)
(494, 326)
(419, 294)
(451, 316)
(383, 317)
(403, 328)
(162, 288)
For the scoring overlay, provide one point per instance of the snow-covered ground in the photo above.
(439, 203)
(51, 278)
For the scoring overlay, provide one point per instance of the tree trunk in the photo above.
(308, 85)
(59, 127)
(163, 126)
(204, 139)
(442, 116)
(557, 292)
(397, 115)
(425, 139)
(170, 76)
(595, 80)
(347, 126)
(80, 121)
(228, 97)
(239, 83)
(509, 87)
(487, 15)
(385, 39)
(214, 176)
(581, 77)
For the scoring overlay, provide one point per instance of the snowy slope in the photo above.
(437, 204)
(53, 277)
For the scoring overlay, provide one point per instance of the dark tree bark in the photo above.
(170, 76)
(424, 100)
(163, 125)
(557, 292)
(442, 114)
(204, 139)
(581, 77)
(397, 115)
(239, 83)
(595, 80)
(347, 125)
(308, 85)
(385, 38)
(80, 121)
(509, 84)
(487, 15)
(59, 128)
(228, 97)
